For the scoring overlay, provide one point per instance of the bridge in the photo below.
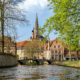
(38, 61)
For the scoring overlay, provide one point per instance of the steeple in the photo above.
(36, 23)
(36, 30)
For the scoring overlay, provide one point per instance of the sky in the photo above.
(31, 7)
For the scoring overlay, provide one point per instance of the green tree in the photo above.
(66, 21)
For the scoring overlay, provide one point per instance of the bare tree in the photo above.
(33, 47)
(10, 14)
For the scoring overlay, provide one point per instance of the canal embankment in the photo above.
(7, 60)
(74, 64)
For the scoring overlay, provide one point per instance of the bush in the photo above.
(31, 63)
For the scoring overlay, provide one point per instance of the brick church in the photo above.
(54, 49)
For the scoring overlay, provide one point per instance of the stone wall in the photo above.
(8, 60)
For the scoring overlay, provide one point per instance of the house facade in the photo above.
(60, 51)
(57, 49)
(9, 45)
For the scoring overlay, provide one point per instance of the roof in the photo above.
(27, 43)
(22, 43)
(52, 41)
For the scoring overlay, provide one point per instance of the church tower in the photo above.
(36, 31)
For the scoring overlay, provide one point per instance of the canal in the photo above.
(42, 72)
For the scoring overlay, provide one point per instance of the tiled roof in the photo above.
(22, 43)
(25, 44)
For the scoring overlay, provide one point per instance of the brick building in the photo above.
(9, 45)
(56, 48)
(60, 51)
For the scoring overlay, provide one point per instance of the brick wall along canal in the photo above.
(43, 72)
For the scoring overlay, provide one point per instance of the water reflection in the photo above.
(43, 72)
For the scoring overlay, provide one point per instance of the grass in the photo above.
(75, 64)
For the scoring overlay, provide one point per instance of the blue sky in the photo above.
(31, 7)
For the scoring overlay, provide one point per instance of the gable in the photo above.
(56, 44)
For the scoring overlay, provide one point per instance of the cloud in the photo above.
(31, 4)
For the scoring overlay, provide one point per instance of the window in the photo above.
(59, 51)
(58, 46)
(54, 46)
(55, 51)
(52, 51)
(56, 42)
(18, 48)
(72, 55)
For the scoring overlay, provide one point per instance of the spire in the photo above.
(36, 23)
(36, 29)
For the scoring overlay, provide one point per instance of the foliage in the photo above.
(33, 47)
(31, 63)
(66, 21)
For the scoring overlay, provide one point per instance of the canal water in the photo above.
(42, 72)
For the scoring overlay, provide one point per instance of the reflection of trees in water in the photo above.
(68, 74)
(30, 72)
(7, 73)
(38, 73)
(35, 77)
(2, 78)
(23, 79)
(38, 76)
(43, 72)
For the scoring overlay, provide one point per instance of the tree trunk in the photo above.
(63, 54)
(70, 55)
(58, 56)
(15, 49)
(54, 56)
(77, 55)
(2, 26)
(61, 57)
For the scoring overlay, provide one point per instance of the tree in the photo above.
(33, 48)
(10, 14)
(65, 20)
